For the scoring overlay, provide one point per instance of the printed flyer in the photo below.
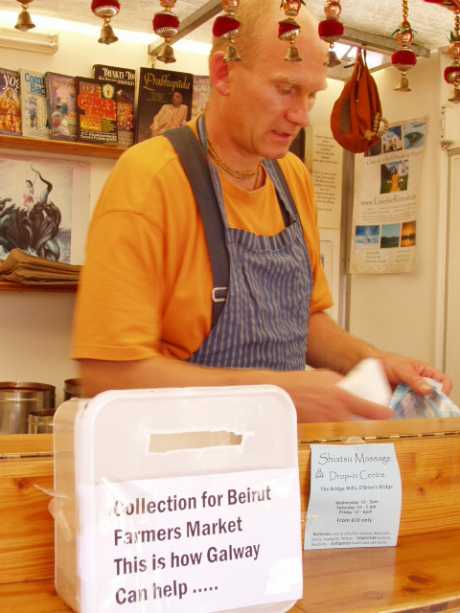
(387, 190)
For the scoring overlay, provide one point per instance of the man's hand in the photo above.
(400, 369)
(318, 398)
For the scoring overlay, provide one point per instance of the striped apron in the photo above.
(264, 322)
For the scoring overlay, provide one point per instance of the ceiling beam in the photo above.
(376, 42)
(190, 23)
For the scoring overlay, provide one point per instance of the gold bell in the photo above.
(293, 54)
(232, 54)
(456, 97)
(167, 55)
(403, 84)
(24, 22)
(332, 59)
(107, 34)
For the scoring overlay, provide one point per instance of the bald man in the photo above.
(149, 311)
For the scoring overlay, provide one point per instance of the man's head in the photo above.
(177, 99)
(264, 100)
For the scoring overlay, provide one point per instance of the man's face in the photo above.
(270, 99)
(177, 99)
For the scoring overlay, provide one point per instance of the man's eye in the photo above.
(286, 90)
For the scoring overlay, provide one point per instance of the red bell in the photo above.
(403, 60)
(330, 30)
(166, 24)
(227, 26)
(106, 10)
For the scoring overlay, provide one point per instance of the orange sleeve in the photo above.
(119, 302)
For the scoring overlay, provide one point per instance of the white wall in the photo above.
(35, 327)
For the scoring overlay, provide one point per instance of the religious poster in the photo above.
(37, 196)
(387, 189)
(165, 101)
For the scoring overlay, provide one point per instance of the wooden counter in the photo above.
(421, 575)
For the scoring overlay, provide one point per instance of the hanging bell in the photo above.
(24, 22)
(452, 76)
(332, 59)
(106, 10)
(331, 30)
(403, 60)
(227, 26)
(166, 24)
(289, 29)
(107, 36)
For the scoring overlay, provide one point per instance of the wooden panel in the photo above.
(26, 526)
(308, 433)
(7, 286)
(419, 576)
(60, 147)
(26, 443)
(430, 469)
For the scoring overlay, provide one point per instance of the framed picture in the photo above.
(39, 198)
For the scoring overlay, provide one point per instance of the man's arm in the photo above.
(314, 393)
(329, 346)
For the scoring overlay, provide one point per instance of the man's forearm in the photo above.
(329, 346)
(100, 375)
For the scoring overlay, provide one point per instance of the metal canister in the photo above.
(72, 389)
(19, 399)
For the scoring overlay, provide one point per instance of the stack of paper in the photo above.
(21, 267)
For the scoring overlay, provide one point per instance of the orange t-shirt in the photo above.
(146, 284)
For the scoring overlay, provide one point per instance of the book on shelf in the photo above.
(62, 106)
(96, 111)
(201, 89)
(10, 102)
(20, 267)
(34, 112)
(124, 80)
(165, 101)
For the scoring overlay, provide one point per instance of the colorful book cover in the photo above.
(10, 102)
(124, 80)
(165, 101)
(201, 89)
(62, 106)
(34, 112)
(96, 111)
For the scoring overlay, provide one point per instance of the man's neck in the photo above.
(226, 149)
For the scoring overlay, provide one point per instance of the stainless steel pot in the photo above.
(20, 399)
(72, 388)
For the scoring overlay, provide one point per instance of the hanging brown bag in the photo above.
(356, 119)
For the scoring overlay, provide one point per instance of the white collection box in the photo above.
(178, 500)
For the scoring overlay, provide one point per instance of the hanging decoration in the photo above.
(331, 29)
(106, 10)
(289, 28)
(452, 72)
(404, 59)
(227, 26)
(166, 24)
(24, 22)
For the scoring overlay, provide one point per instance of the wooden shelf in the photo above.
(8, 286)
(61, 147)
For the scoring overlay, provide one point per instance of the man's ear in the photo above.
(219, 73)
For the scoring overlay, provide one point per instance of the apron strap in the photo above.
(196, 168)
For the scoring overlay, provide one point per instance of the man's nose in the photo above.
(299, 114)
